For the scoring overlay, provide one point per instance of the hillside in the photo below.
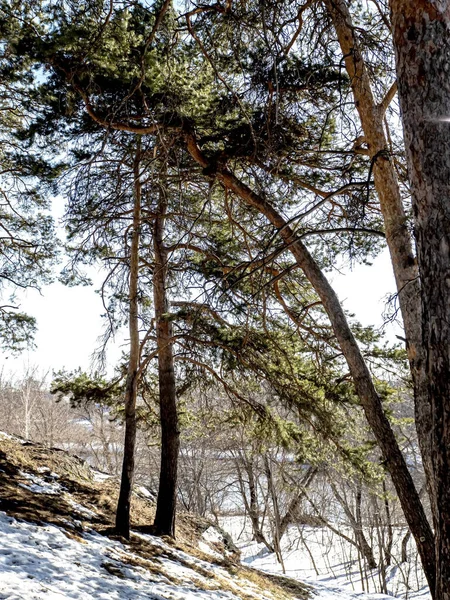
(56, 529)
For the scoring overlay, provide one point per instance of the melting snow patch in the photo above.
(39, 486)
(48, 471)
(143, 491)
(212, 535)
(82, 510)
(99, 476)
(13, 437)
(42, 563)
(208, 550)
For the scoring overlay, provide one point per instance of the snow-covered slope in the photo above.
(317, 557)
(55, 543)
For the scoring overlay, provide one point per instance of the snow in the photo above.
(80, 509)
(14, 438)
(144, 492)
(325, 564)
(39, 485)
(48, 472)
(43, 562)
(99, 477)
(208, 550)
(212, 535)
(48, 562)
(322, 592)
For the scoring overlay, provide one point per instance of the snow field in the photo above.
(321, 559)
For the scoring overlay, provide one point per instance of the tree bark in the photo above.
(170, 437)
(398, 238)
(294, 505)
(126, 484)
(276, 512)
(405, 540)
(356, 524)
(251, 503)
(390, 532)
(422, 44)
(365, 389)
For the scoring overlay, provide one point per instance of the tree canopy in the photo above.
(218, 160)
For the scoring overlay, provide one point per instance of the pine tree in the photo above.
(422, 51)
(28, 244)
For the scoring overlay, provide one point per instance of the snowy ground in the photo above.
(69, 558)
(316, 556)
(52, 563)
(43, 562)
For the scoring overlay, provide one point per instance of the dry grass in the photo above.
(101, 497)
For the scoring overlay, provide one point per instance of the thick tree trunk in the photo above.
(368, 396)
(398, 238)
(422, 44)
(126, 484)
(170, 436)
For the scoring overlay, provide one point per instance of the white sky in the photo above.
(365, 291)
(70, 323)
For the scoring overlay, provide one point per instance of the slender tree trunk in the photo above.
(26, 395)
(422, 44)
(398, 238)
(126, 484)
(170, 436)
(251, 503)
(356, 524)
(405, 540)
(276, 512)
(296, 502)
(368, 396)
(253, 509)
(359, 531)
(390, 532)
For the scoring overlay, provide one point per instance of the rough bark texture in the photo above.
(126, 484)
(398, 238)
(369, 398)
(170, 436)
(422, 43)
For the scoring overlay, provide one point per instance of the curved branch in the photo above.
(390, 95)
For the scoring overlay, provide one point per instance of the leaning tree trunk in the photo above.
(170, 437)
(126, 484)
(398, 238)
(422, 44)
(365, 389)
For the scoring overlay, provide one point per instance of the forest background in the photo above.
(219, 161)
